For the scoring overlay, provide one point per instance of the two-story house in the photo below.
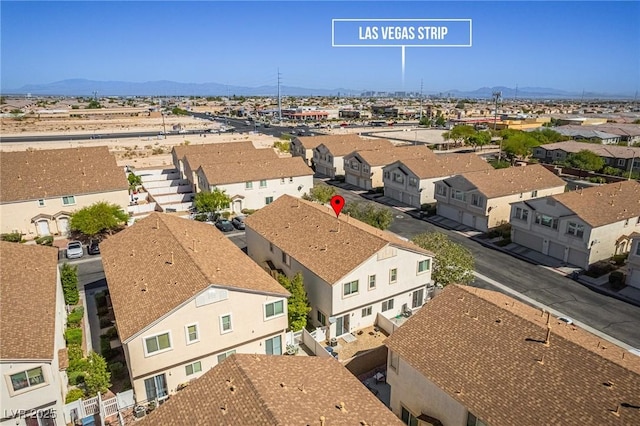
(33, 356)
(303, 146)
(495, 361)
(622, 157)
(328, 157)
(364, 168)
(579, 227)
(482, 200)
(351, 271)
(274, 390)
(188, 159)
(184, 298)
(633, 262)
(255, 184)
(411, 181)
(39, 189)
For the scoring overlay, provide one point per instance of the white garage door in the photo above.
(531, 241)
(63, 225)
(43, 228)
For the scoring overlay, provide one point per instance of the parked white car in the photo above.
(74, 250)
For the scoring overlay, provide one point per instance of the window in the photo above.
(274, 309)
(366, 311)
(413, 182)
(372, 282)
(477, 200)
(286, 259)
(394, 360)
(393, 275)
(27, 379)
(248, 185)
(534, 194)
(273, 346)
(398, 178)
(67, 201)
(225, 355)
(271, 247)
(441, 190)
(263, 184)
(192, 333)
(387, 305)
(225, 324)
(41, 203)
(387, 175)
(575, 229)
(638, 249)
(548, 221)
(196, 367)
(156, 387)
(355, 165)
(161, 342)
(350, 288)
(268, 200)
(322, 319)
(621, 162)
(522, 214)
(458, 195)
(474, 421)
(408, 418)
(424, 265)
(365, 169)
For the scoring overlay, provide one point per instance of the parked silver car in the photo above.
(74, 250)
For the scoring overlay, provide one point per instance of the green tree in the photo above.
(586, 160)
(378, 217)
(426, 121)
(211, 202)
(98, 218)
(460, 134)
(440, 121)
(98, 377)
(93, 104)
(298, 304)
(519, 145)
(453, 263)
(73, 395)
(320, 193)
(479, 139)
(69, 279)
(134, 181)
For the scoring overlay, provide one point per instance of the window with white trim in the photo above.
(193, 368)
(27, 379)
(548, 221)
(192, 333)
(68, 200)
(424, 265)
(387, 175)
(225, 355)
(534, 193)
(394, 360)
(41, 202)
(322, 319)
(157, 343)
(393, 275)
(350, 288)
(372, 282)
(273, 346)
(441, 190)
(398, 178)
(387, 305)
(408, 418)
(458, 195)
(522, 214)
(286, 259)
(367, 311)
(268, 200)
(477, 200)
(274, 309)
(225, 324)
(413, 182)
(248, 185)
(575, 229)
(263, 183)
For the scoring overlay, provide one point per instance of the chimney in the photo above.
(322, 419)
(546, 340)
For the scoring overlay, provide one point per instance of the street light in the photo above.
(633, 158)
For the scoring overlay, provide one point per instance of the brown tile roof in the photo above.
(311, 234)
(310, 142)
(35, 174)
(211, 157)
(444, 165)
(244, 171)
(490, 347)
(153, 264)
(202, 149)
(273, 390)
(341, 148)
(514, 180)
(607, 151)
(384, 156)
(28, 286)
(604, 204)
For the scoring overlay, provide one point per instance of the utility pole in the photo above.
(279, 100)
(420, 101)
(164, 127)
(496, 96)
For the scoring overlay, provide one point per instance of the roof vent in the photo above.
(302, 389)
(546, 340)
(609, 384)
(341, 407)
(224, 409)
(283, 385)
(541, 360)
(322, 420)
(616, 412)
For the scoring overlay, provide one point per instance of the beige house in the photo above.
(633, 262)
(303, 146)
(496, 361)
(482, 200)
(328, 157)
(39, 189)
(364, 168)
(579, 227)
(274, 390)
(411, 181)
(184, 298)
(255, 184)
(351, 271)
(33, 357)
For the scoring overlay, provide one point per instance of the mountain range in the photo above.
(84, 87)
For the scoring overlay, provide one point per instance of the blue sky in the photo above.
(573, 46)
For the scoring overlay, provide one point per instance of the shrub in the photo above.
(73, 336)
(226, 215)
(69, 279)
(74, 395)
(101, 300)
(116, 369)
(597, 179)
(248, 211)
(105, 345)
(599, 269)
(75, 353)
(619, 259)
(75, 317)
(103, 311)
(76, 377)
(12, 237)
(502, 164)
(105, 322)
(47, 240)
(616, 279)
(111, 333)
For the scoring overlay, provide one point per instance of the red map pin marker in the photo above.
(337, 203)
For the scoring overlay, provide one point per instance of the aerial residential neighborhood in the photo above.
(288, 214)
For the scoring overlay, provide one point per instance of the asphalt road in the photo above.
(611, 316)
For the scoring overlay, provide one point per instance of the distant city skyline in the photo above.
(571, 46)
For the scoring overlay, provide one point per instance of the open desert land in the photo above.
(139, 152)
